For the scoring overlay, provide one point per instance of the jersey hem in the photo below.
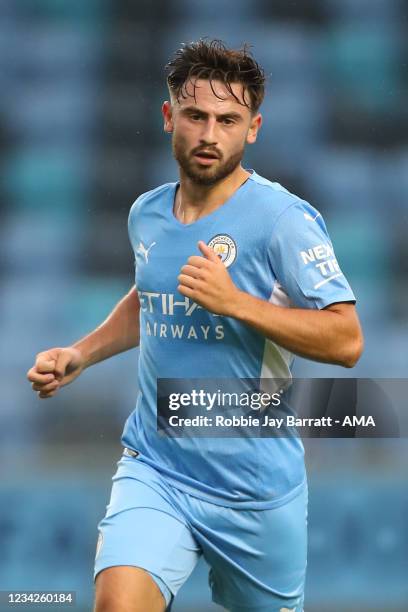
(267, 504)
(324, 302)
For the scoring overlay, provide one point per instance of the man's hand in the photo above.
(55, 368)
(206, 281)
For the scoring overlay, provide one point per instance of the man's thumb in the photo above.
(64, 358)
(208, 252)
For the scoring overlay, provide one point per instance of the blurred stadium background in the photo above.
(80, 137)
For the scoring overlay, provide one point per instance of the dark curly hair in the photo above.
(212, 60)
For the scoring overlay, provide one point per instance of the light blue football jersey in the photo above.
(276, 247)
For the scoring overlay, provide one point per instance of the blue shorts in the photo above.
(257, 557)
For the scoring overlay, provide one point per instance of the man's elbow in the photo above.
(353, 351)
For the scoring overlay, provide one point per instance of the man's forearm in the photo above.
(118, 333)
(331, 335)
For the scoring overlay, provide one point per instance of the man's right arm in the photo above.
(58, 367)
(119, 332)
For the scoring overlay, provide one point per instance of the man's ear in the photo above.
(167, 116)
(254, 127)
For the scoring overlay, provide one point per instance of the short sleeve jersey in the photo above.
(275, 247)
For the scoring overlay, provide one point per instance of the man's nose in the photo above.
(209, 132)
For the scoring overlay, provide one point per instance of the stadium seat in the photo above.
(47, 177)
(59, 113)
(53, 51)
(341, 178)
(49, 534)
(162, 167)
(357, 536)
(376, 11)
(394, 182)
(75, 12)
(361, 64)
(295, 121)
(196, 9)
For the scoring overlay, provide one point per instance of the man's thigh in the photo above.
(127, 589)
(257, 558)
(142, 529)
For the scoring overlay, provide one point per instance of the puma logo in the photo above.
(145, 252)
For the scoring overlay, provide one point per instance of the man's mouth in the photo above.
(206, 157)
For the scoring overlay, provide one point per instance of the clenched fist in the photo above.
(55, 368)
(206, 281)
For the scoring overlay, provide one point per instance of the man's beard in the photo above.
(205, 175)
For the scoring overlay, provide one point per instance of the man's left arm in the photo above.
(331, 334)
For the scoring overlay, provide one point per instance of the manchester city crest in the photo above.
(225, 247)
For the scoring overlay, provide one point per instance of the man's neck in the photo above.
(194, 201)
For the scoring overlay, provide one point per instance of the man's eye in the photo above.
(227, 121)
(195, 117)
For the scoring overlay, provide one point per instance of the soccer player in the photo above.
(234, 275)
